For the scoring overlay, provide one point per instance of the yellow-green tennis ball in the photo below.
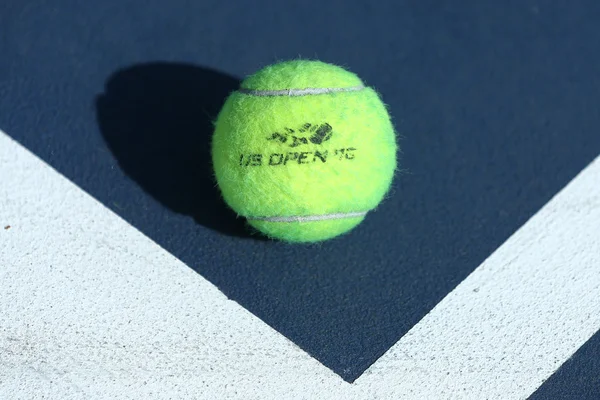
(303, 151)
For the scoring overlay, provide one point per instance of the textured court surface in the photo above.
(123, 275)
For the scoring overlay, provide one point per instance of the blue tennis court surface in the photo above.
(496, 111)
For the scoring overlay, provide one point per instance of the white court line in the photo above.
(517, 318)
(91, 309)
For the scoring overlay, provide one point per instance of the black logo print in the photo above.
(307, 134)
(315, 134)
(300, 158)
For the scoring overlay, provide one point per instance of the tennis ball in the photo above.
(303, 151)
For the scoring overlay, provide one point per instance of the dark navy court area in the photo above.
(495, 104)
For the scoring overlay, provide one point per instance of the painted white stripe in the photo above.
(300, 92)
(516, 318)
(309, 218)
(90, 308)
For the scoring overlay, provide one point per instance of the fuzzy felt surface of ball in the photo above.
(304, 150)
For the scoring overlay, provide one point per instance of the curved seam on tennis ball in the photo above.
(299, 92)
(309, 218)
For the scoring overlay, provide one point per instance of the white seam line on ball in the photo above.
(309, 218)
(299, 92)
